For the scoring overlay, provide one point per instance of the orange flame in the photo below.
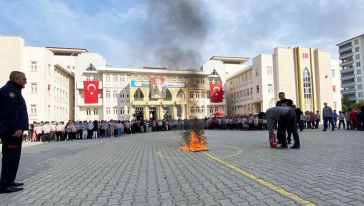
(195, 144)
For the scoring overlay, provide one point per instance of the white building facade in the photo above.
(56, 76)
(351, 54)
(49, 93)
(307, 76)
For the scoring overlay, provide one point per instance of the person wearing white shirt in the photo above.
(46, 131)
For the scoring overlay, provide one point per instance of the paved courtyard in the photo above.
(149, 169)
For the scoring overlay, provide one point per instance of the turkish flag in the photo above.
(91, 89)
(216, 93)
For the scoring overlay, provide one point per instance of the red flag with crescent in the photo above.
(91, 89)
(216, 93)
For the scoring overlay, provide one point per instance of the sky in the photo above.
(181, 33)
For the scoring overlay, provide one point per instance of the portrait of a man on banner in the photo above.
(157, 87)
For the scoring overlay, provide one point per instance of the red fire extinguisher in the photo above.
(273, 141)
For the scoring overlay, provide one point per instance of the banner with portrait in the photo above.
(157, 87)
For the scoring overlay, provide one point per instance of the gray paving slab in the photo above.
(149, 169)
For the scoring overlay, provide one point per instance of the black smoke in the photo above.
(176, 32)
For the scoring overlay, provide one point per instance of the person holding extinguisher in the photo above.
(286, 118)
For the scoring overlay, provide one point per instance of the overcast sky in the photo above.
(181, 33)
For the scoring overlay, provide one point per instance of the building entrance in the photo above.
(153, 113)
(167, 112)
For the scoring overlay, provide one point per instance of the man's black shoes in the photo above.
(282, 147)
(18, 184)
(10, 189)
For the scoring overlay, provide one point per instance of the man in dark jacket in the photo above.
(327, 117)
(13, 122)
(283, 102)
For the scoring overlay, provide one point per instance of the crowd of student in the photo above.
(72, 130)
(350, 120)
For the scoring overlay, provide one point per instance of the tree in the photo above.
(358, 105)
(346, 104)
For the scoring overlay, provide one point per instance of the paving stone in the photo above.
(149, 169)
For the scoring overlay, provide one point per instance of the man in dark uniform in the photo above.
(283, 102)
(13, 121)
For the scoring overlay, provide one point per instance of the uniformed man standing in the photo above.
(13, 121)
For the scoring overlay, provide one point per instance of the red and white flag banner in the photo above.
(216, 93)
(91, 89)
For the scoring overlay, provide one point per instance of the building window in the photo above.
(108, 110)
(356, 41)
(96, 112)
(197, 109)
(211, 110)
(33, 87)
(168, 95)
(356, 49)
(115, 78)
(257, 89)
(216, 109)
(203, 95)
(138, 94)
(115, 110)
(202, 109)
(88, 111)
(214, 72)
(360, 86)
(360, 94)
(269, 70)
(180, 95)
(33, 109)
(192, 110)
(197, 95)
(358, 71)
(306, 84)
(139, 111)
(91, 67)
(359, 79)
(128, 111)
(357, 64)
(33, 66)
(107, 94)
(202, 81)
(191, 95)
(107, 78)
(115, 94)
(357, 56)
(122, 111)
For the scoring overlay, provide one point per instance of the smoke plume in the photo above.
(176, 32)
